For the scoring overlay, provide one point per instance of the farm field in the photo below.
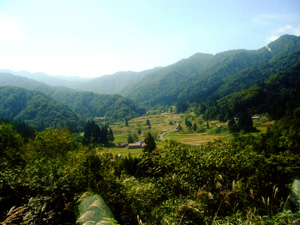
(163, 127)
(193, 138)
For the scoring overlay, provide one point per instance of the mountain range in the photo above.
(200, 79)
(189, 78)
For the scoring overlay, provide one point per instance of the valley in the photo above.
(210, 139)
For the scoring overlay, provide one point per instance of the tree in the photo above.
(181, 107)
(195, 127)
(110, 135)
(139, 131)
(232, 125)
(207, 124)
(179, 127)
(148, 122)
(130, 139)
(150, 144)
(126, 122)
(188, 123)
(245, 122)
(93, 133)
(10, 143)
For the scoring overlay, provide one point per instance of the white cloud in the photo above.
(272, 38)
(287, 29)
(10, 31)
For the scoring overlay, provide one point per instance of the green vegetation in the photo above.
(130, 139)
(89, 104)
(36, 109)
(204, 77)
(210, 163)
(245, 180)
(84, 104)
(97, 135)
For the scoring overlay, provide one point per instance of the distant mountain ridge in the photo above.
(85, 104)
(70, 82)
(198, 78)
(117, 83)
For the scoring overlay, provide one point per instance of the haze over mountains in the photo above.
(201, 78)
(71, 82)
(187, 74)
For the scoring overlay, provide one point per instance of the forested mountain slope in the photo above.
(36, 109)
(86, 104)
(117, 83)
(278, 95)
(202, 75)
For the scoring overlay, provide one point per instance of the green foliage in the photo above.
(130, 139)
(36, 109)
(203, 77)
(150, 144)
(10, 144)
(85, 104)
(43, 187)
(245, 180)
(245, 122)
(188, 123)
(93, 133)
(88, 104)
(148, 122)
(276, 96)
(293, 201)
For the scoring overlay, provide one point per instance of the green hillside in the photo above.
(36, 109)
(277, 96)
(86, 104)
(117, 83)
(202, 76)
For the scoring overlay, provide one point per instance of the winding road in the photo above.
(161, 136)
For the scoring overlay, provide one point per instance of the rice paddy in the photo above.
(163, 127)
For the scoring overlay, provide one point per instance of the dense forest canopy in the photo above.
(84, 104)
(203, 76)
(36, 109)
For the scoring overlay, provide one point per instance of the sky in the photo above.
(91, 38)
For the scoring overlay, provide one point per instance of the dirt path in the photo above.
(161, 136)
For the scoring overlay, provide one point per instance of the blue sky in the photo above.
(96, 37)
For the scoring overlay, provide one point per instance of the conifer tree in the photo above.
(130, 139)
(195, 127)
(245, 122)
(150, 144)
(112, 138)
(148, 122)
